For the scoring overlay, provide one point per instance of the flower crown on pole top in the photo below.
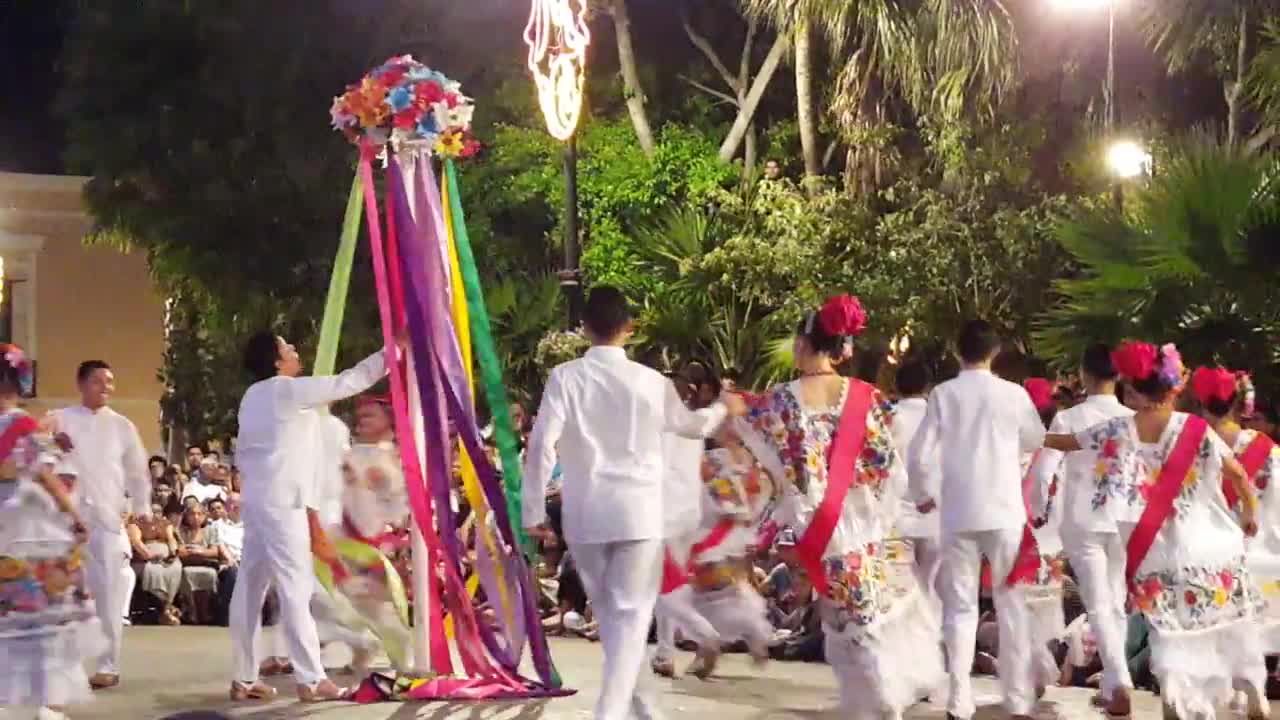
(18, 360)
(404, 102)
(1138, 361)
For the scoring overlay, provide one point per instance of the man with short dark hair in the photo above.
(605, 416)
(195, 454)
(972, 439)
(277, 450)
(913, 379)
(1091, 537)
(113, 481)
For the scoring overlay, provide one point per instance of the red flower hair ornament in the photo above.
(1213, 384)
(1041, 392)
(842, 316)
(1135, 360)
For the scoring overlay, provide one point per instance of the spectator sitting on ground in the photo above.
(227, 532)
(158, 467)
(204, 488)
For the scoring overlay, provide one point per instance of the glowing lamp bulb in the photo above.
(558, 36)
(1128, 159)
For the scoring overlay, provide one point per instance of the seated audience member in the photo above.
(227, 532)
(200, 562)
(1081, 666)
(155, 562)
(204, 487)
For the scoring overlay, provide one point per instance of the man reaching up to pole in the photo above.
(276, 448)
(604, 416)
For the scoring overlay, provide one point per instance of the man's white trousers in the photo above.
(106, 572)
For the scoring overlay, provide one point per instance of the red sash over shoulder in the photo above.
(1167, 486)
(1252, 459)
(842, 472)
(1026, 565)
(21, 427)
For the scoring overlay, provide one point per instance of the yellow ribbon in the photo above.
(470, 480)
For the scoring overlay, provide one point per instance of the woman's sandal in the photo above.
(240, 692)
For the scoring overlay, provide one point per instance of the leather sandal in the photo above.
(241, 692)
(103, 681)
(323, 691)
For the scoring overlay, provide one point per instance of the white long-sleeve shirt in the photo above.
(683, 490)
(112, 466)
(605, 416)
(1076, 470)
(908, 415)
(279, 442)
(335, 443)
(974, 432)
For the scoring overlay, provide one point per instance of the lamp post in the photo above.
(1109, 84)
(557, 36)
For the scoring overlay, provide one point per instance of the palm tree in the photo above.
(1193, 262)
(942, 57)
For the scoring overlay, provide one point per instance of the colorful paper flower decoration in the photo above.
(404, 102)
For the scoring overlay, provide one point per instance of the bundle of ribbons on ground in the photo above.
(428, 288)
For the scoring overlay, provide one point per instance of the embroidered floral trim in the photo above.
(1196, 597)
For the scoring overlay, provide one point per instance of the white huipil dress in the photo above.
(48, 623)
(1263, 550)
(736, 492)
(882, 635)
(1044, 595)
(1193, 585)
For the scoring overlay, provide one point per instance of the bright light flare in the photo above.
(1128, 159)
(1082, 4)
(558, 36)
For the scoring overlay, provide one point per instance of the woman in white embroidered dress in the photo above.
(736, 494)
(1192, 584)
(1044, 594)
(48, 624)
(1223, 397)
(882, 636)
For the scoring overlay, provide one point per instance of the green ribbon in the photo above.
(495, 391)
(335, 304)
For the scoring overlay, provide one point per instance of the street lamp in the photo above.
(1109, 87)
(558, 36)
(1127, 159)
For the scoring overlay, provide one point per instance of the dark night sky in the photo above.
(31, 32)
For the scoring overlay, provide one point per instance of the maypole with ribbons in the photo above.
(428, 288)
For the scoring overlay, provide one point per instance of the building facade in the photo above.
(64, 302)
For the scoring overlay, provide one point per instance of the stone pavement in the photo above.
(170, 670)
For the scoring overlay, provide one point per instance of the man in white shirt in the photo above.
(113, 481)
(605, 417)
(1090, 537)
(975, 430)
(913, 380)
(202, 487)
(280, 418)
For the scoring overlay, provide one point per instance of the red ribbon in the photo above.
(1026, 564)
(20, 427)
(673, 575)
(419, 501)
(842, 471)
(1252, 458)
(1163, 493)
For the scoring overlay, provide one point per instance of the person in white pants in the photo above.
(605, 417)
(975, 430)
(113, 480)
(277, 451)
(1091, 538)
(913, 380)
(683, 516)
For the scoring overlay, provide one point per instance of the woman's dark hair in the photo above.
(1048, 414)
(810, 329)
(261, 354)
(1218, 407)
(1153, 387)
(10, 376)
(978, 341)
(158, 459)
(1096, 362)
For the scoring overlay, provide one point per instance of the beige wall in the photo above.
(75, 303)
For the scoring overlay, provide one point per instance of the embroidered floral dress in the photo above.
(881, 634)
(1193, 585)
(736, 491)
(1044, 594)
(1263, 550)
(48, 624)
